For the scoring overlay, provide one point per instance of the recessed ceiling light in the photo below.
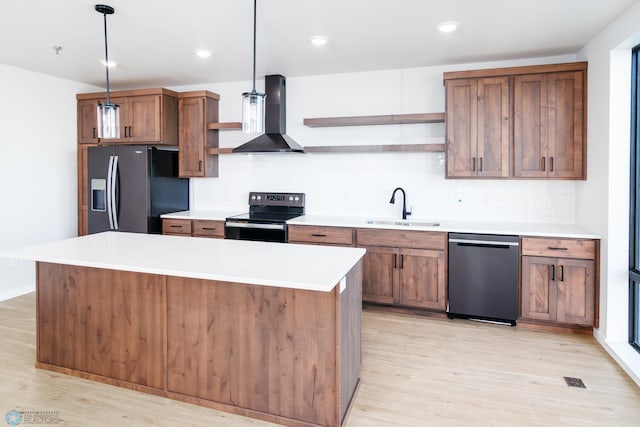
(202, 53)
(448, 26)
(109, 64)
(319, 41)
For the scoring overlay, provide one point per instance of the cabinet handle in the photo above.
(401, 261)
(199, 165)
(553, 272)
(319, 235)
(473, 166)
(395, 261)
(556, 248)
(125, 131)
(550, 164)
(94, 133)
(562, 273)
(130, 131)
(480, 168)
(543, 161)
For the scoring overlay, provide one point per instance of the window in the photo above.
(634, 203)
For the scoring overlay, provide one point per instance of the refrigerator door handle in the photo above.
(109, 192)
(114, 204)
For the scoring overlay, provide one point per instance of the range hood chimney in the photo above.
(275, 139)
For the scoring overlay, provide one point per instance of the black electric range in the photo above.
(267, 217)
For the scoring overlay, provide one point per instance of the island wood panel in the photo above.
(350, 338)
(104, 322)
(265, 349)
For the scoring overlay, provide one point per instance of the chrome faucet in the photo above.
(404, 202)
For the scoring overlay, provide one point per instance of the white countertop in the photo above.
(205, 215)
(316, 268)
(480, 227)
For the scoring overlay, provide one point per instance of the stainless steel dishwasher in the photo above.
(483, 277)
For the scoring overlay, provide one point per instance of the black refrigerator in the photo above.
(130, 186)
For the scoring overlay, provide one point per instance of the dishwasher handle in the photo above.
(483, 243)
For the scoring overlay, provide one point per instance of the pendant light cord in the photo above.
(254, 46)
(106, 56)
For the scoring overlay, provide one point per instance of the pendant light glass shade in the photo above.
(108, 120)
(108, 113)
(253, 102)
(253, 112)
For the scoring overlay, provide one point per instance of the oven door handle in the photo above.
(255, 225)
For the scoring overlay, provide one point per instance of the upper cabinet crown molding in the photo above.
(521, 122)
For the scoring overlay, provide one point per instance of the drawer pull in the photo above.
(209, 228)
(553, 248)
(175, 226)
(319, 235)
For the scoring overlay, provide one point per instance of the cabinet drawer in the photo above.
(208, 228)
(317, 234)
(562, 248)
(176, 226)
(402, 238)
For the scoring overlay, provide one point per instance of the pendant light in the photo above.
(253, 102)
(108, 113)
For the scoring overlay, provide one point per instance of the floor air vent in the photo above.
(574, 382)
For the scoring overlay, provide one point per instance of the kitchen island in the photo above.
(265, 330)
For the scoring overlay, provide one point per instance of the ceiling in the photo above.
(153, 41)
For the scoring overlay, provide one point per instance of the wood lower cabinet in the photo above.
(195, 228)
(196, 110)
(83, 190)
(404, 268)
(321, 235)
(560, 290)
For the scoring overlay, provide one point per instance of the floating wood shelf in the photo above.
(405, 148)
(228, 125)
(393, 119)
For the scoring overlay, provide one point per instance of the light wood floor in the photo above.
(416, 371)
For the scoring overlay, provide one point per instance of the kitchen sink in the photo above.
(405, 223)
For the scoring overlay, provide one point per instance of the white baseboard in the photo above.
(622, 352)
(16, 292)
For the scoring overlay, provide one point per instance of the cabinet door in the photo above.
(576, 296)
(422, 279)
(539, 291)
(462, 127)
(87, 121)
(530, 125)
(143, 119)
(379, 274)
(191, 137)
(493, 127)
(565, 137)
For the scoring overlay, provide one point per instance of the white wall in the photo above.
(603, 201)
(361, 184)
(37, 167)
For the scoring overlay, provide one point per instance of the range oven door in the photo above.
(264, 232)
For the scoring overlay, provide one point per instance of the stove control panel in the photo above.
(276, 199)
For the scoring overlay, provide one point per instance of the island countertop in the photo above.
(316, 268)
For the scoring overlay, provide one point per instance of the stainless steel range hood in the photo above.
(275, 139)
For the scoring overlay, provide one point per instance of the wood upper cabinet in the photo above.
(549, 125)
(146, 116)
(518, 122)
(405, 268)
(195, 111)
(478, 127)
(558, 289)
